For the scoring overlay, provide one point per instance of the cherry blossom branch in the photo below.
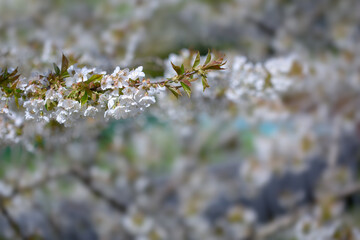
(69, 93)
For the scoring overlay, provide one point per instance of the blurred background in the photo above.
(230, 163)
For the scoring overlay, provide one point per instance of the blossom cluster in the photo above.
(84, 93)
(71, 93)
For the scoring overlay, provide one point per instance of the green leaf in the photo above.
(186, 88)
(204, 83)
(173, 91)
(208, 58)
(64, 64)
(57, 70)
(88, 92)
(197, 60)
(182, 69)
(17, 101)
(65, 74)
(84, 99)
(81, 94)
(94, 78)
(176, 68)
(215, 65)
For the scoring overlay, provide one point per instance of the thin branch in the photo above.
(76, 172)
(12, 222)
(88, 182)
(265, 231)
